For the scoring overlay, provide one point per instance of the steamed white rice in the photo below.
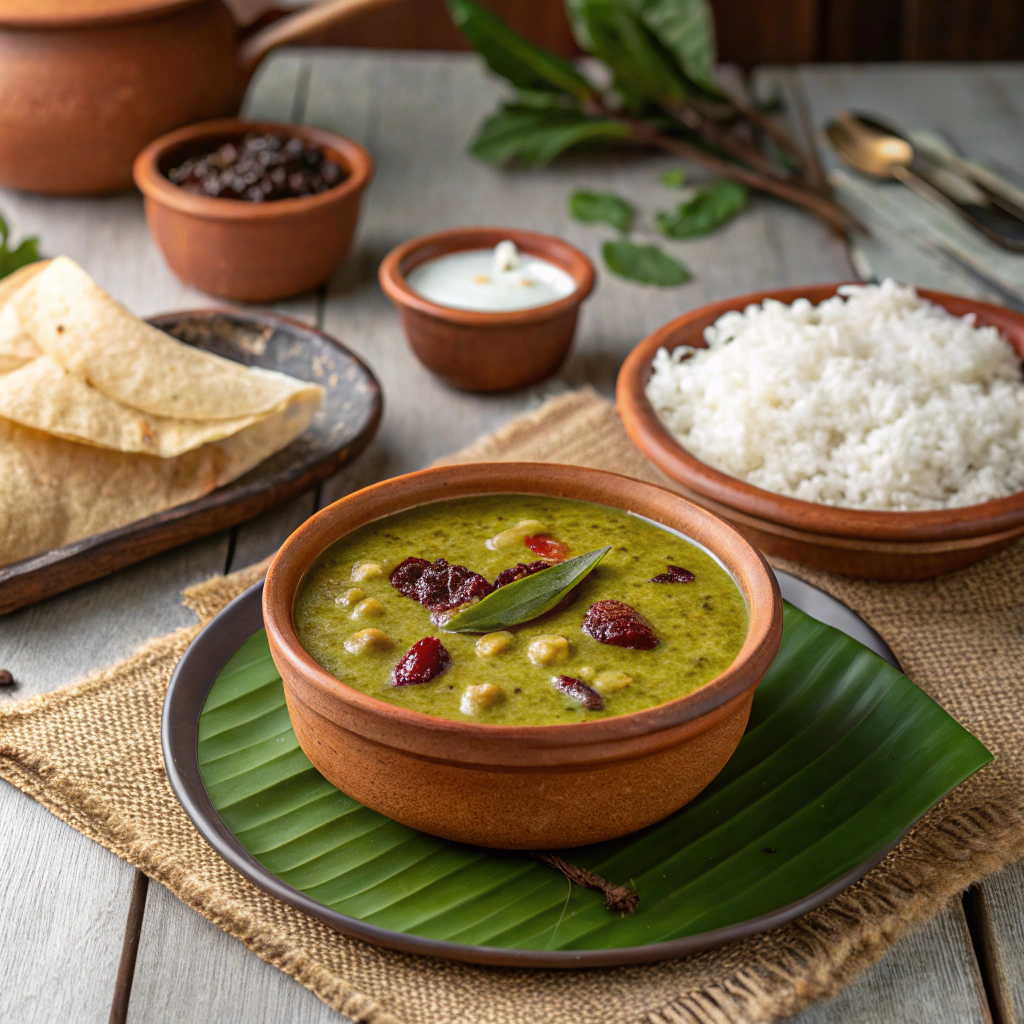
(874, 399)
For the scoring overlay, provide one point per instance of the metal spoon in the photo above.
(872, 148)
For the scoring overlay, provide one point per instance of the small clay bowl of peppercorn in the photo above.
(253, 211)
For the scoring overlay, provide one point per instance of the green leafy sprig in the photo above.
(662, 93)
(13, 259)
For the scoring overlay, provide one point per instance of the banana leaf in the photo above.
(842, 754)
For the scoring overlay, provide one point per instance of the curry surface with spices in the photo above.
(355, 623)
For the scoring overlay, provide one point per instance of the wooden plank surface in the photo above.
(187, 970)
(929, 977)
(65, 899)
(1000, 903)
(416, 114)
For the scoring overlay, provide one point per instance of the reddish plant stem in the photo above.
(810, 199)
(693, 119)
(822, 206)
(773, 130)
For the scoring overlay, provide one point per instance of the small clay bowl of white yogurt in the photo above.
(488, 308)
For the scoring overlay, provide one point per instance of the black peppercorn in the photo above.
(258, 169)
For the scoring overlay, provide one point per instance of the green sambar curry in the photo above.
(700, 625)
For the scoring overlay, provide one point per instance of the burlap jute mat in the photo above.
(91, 754)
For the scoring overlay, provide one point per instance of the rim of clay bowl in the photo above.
(654, 440)
(403, 258)
(743, 562)
(151, 180)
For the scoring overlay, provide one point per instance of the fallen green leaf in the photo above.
(601, 208)
(673, 178)
(13, 259)
(646, 264)
(510, 55)
(709, 208)
(537, 136)
(526, 598)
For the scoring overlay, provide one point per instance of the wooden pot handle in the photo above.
(298, 25)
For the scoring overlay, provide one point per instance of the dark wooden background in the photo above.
(749, 31)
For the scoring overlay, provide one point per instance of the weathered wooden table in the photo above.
(83, 937)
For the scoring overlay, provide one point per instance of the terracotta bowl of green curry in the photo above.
(520, 655)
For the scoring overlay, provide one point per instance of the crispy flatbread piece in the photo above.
(16, 347)
(56, 491)
(43, 395)
(84, 330)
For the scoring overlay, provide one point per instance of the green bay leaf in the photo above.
(709, 208)
(527, 598)
(645, 264)
(601, 208)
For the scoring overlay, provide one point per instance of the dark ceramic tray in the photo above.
(204, 661)
(341, 429)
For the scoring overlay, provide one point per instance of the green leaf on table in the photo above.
(601, 208)
(673, 178)
(646, 264)
(13, 259)
(709, 208)
(537, 136)
(510, 55)
(613, 32)
(686, 28)
(526, 598)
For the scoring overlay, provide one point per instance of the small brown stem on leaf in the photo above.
(618, 898)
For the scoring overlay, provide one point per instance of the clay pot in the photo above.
(873, 545)
(519, 787)
(85, 85)
(251, 252)
(478, 351)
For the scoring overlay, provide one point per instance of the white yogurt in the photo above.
(490, 280)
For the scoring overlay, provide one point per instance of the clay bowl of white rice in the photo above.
(872, 430)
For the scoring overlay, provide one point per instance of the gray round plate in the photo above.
(202, 663)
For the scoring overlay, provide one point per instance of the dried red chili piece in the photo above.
(547, 547)
(425, 660)
(579, 692)
(616, 623)
(675, 574)
(438, 585)
(518, 572)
